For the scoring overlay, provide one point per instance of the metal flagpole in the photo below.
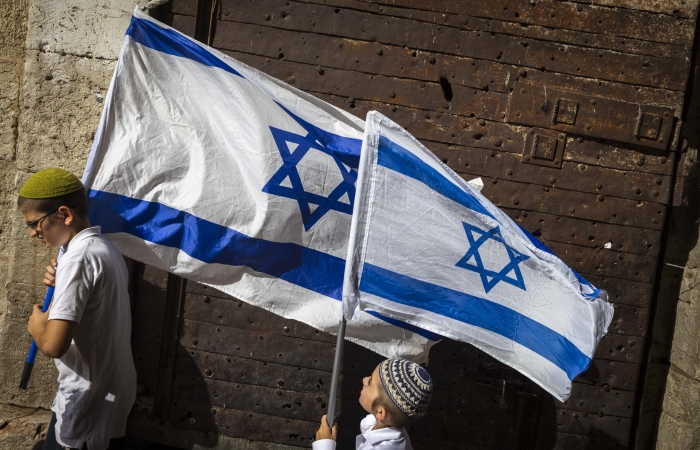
(336, 372)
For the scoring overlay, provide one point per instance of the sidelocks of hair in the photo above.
(76, 200)
(398, 418)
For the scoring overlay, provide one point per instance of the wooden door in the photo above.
(569, 111)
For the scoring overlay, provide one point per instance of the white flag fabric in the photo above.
(428, 249)
(214, 171)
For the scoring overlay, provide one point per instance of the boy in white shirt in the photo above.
(397, 393)
(87, 329)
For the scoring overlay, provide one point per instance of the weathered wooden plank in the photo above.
(614, 21)
(643, 70)
(639, 241)
(235, 313)
(242, 424)
(602, 261)
(148, 301)
(259, 345)
(581, 177)
(182, 7)
(593, 152)
(618, 375)
(183, 23)
(629, 321)
(624, 291)
(405, 92)
(592, 399)
(573, 204)
(586, 424)
(151, 276)
(617, 347)
(440, 16)
(687, 9)
(554, 440)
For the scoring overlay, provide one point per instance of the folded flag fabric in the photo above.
(428, 249)
(214, 171)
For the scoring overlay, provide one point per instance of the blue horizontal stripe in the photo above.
(394, 157)
(212, 243)
(173, 43)
(478, 312)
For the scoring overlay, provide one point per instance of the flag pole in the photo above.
(336, 372)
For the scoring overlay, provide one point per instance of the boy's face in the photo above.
(370, 390)
(52, 230)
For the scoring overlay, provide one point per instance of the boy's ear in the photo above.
(380, 413)
(67, 215)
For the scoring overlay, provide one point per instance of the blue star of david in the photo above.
(341, 149)
(490, 278)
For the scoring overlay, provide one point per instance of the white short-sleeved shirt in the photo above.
(96, 376)
(383, 438)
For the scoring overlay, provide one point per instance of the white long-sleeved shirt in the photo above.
(383, 438)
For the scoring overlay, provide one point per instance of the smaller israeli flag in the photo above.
(428, 249)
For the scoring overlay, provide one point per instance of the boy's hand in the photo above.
(325, 432)
(50, 275)
(37, 322)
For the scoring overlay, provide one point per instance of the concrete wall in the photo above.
(56, 62)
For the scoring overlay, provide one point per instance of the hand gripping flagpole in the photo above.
(29, 364)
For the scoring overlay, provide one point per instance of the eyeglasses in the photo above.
(33, 225)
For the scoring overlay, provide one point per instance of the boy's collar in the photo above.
(382, 434)
(86, 233)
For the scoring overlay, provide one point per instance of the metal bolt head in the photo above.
(552, 180)
(556, 162)
(207, 372)
(509, 172)
(392, 94)
(523, 73)
(380, 52)
(526, 158)
(516, 201)
(601, 413)
(524, 213)
(494, 181)
(228, 359)
(213, 411)
(432, 61)
(666, 114)
(531, 132)
(393, 107)
(482, 122)
(280, 383)
(207, 299)
(503, 404)
(318, 398)
(606, 387)
(599, 185)
(592, 102)
(492, 153)
(580, 139)
(194, 341)
(286, 329)
(601, 197)
(319, 69)
(654, 220)
(663, 160)
(572, 210)
(655, 193)
(523, 91)
(278, 392)
(637, 190)
(497, 142)
(267, 17)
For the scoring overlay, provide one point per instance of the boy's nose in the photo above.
(365, 381)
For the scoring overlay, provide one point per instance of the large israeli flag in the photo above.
(428, 249)
(214, 171)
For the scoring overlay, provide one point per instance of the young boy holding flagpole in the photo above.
(87, 329)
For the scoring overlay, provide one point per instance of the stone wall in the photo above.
(56, 62)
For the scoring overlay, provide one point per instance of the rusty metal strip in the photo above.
(580, 177)
(687, 9)
(235, 313)
(534, 105)
(596, 153)
(546, 227)
(573, 204)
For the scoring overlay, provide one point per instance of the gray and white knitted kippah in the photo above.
(407, 384)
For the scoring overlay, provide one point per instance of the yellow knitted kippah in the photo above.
(50, 183)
